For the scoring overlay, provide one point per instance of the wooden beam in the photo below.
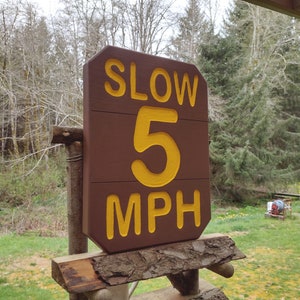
(66, 135)
(88, 272)
(75, 273)
(288, 7)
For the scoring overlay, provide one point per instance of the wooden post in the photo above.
(78, 242)
(187, 283)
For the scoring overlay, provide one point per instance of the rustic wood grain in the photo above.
(75, 273)
(89, 272)
(167, 259)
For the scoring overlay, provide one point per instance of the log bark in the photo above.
(66, 135)
(91, 272)
(163, 260)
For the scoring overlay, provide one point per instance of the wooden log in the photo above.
(166, 259)
(78, 242)
(76, 274)
(283, 195)
(91, 272)
(66, 135)
(72, 138)
(226, 270)
(187, 283)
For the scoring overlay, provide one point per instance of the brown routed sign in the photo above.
(146, 170)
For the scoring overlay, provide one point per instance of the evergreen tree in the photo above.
(255, 146)
(193, 30)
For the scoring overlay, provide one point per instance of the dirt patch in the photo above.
(29, 269)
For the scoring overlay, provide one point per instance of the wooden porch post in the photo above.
(78, 242)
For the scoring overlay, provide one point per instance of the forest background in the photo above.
(250, 60)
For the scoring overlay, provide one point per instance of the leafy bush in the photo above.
(35, 201)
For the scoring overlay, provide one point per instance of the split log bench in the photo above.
(87, 273)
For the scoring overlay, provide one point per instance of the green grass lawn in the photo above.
(272, 247)
(270, 271)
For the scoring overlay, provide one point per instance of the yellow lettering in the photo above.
(144, 139)
(186, 84)
(193, 207)
(115, 92)
(133, 92)
(154, 212)
(160, 98)
(113, 208)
